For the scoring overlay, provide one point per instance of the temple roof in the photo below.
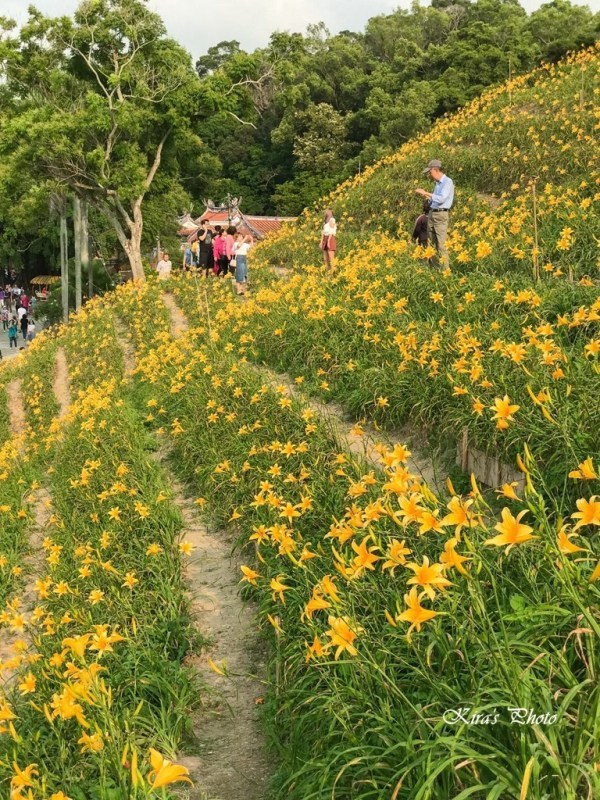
(259, 227)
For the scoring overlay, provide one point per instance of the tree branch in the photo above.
(241, 121)
(156, 163)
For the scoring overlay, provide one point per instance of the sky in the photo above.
(199, 25)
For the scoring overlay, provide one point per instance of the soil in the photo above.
(61, 383)
(179, 323)
(126, 346)
(16, 407)
(230, 760)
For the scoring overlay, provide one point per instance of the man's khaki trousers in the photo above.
(437, 233)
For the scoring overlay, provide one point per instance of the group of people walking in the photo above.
(219, 251)
(16, 313)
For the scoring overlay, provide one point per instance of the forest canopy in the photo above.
(319, 107)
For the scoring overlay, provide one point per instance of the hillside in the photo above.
(399, 632)
(538, 128)
(509, 318)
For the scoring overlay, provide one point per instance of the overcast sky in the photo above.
(199, 25)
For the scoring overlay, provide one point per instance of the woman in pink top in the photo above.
(227, 251)
(218, 248)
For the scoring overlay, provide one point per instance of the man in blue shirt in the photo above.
(441, 199)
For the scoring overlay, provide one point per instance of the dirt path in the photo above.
(179, 323)
(61, 383)
(231, 761)
(125, 340)
(16, 407)
(33, 564)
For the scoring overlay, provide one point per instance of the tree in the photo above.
(216, 57)
(112, 104)
(321, 146)
(560, 26)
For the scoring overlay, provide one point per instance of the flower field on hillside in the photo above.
(386, 603)
(93, 672)
(440, 351)
(540, 128)
(506, 343)
(425, 642)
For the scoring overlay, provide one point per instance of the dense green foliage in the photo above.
(95, 105)
(323, 107)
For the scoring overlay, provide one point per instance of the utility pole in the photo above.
(86, 261)
(77, 231)
(58, 205)
(64, 261)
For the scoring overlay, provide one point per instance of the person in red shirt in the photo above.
(218, 248)
(228, 250)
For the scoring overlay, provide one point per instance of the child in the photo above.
(187, 258)
(195, 252)
(241, 267)
(419, 233)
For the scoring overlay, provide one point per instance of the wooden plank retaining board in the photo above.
(487, 469)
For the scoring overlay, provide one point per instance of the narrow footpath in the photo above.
(61, 383)
(16, 407)
(230, 759)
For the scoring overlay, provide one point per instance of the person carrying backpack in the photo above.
(12, 333)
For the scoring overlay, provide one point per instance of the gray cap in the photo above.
(434, 164)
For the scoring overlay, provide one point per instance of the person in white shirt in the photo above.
(164, 267)
(21, 312)
(328, 242)
(31, 330)
(241, 264)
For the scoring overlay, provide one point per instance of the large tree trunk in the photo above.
(130, 238)
(134, 250)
